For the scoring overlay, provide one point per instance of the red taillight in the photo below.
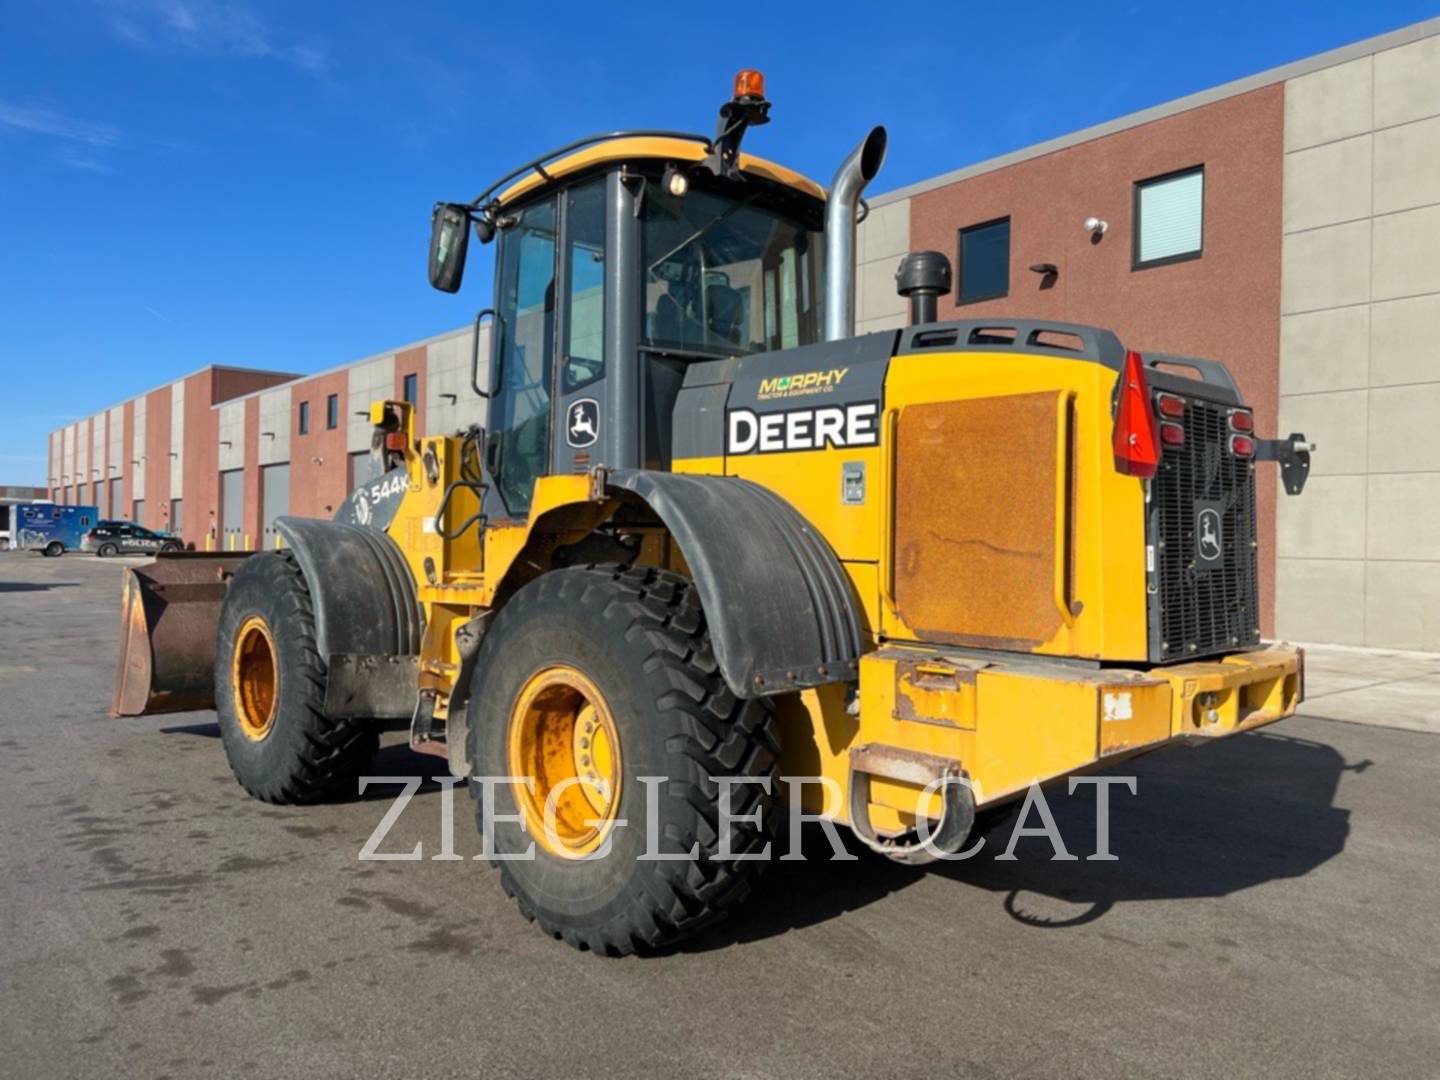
(1172, 434)
(1242, 421)
(1136, 449)
(1242, 446)
(1170, 405)
(395, 440)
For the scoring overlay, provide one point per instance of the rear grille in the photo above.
(1201, 606)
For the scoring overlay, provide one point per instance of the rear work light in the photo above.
(1137, 452)
(395, 440)
(1172, 434)
(1241, 420)
(1170, 406)
(1242, 446)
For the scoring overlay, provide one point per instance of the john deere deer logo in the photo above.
(1207, 535)
(582, 424)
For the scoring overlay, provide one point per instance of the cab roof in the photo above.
(633, 147)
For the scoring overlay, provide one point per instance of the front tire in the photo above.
(624, 652)
(270, 691)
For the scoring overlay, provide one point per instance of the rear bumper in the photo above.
(1236, 693)
(1005, 725)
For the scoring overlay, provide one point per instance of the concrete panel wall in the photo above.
(139, 456)
(1359, 368)
(372, 381)
(230, 444)
(450, 401)
(98, 475)
(116, 463)
(67, 456)
(881, 241)
(275, 426)
(80, 474)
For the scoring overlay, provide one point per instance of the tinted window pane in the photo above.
(332, 411)
(1170, 216)
(725, 277)
(520, 410)
(411, 388)
(585, 318)
(304, 417)
(985, 261)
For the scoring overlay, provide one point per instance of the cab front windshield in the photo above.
(726, 275)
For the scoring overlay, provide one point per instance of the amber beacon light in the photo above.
(749, 83)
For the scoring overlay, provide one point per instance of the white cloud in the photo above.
(42, 121)
(211, 26)
(77, 144)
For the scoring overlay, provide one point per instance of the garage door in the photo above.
(275, 497)
(232, 510)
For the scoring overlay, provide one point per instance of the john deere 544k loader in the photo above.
(707, 531)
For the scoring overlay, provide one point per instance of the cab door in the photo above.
(580, 414)
(522, 359)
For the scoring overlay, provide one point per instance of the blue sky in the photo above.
(187, 182)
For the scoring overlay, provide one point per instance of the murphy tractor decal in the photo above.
(830, 406)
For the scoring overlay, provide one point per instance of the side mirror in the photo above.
(449, 237)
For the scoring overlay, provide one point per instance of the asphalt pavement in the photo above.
(1272, 912)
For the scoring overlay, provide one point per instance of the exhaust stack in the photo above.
(857, 170)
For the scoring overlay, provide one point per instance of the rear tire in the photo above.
(638, 637)
(54, 549)
(270, 691)
(107, 550)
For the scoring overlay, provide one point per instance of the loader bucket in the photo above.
(168, 617)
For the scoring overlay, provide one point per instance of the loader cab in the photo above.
(617, 269)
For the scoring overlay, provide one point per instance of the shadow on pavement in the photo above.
(1206, 821)
(392, 762)
(34, 586)
(208, 731)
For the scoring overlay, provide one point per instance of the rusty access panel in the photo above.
(979, 487)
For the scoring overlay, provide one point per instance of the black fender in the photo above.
(781, 610)
(363, 590)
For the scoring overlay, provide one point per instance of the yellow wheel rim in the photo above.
(255, 678)
(563, 736)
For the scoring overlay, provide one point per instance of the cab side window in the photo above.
(585, 263)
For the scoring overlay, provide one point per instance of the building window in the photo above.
(304, 418)
(332, 411)
(410, 388)
(1169, 218)
(984, 261)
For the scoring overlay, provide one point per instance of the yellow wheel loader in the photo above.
(706, 552)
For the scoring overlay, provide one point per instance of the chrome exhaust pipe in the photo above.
(857, 170)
